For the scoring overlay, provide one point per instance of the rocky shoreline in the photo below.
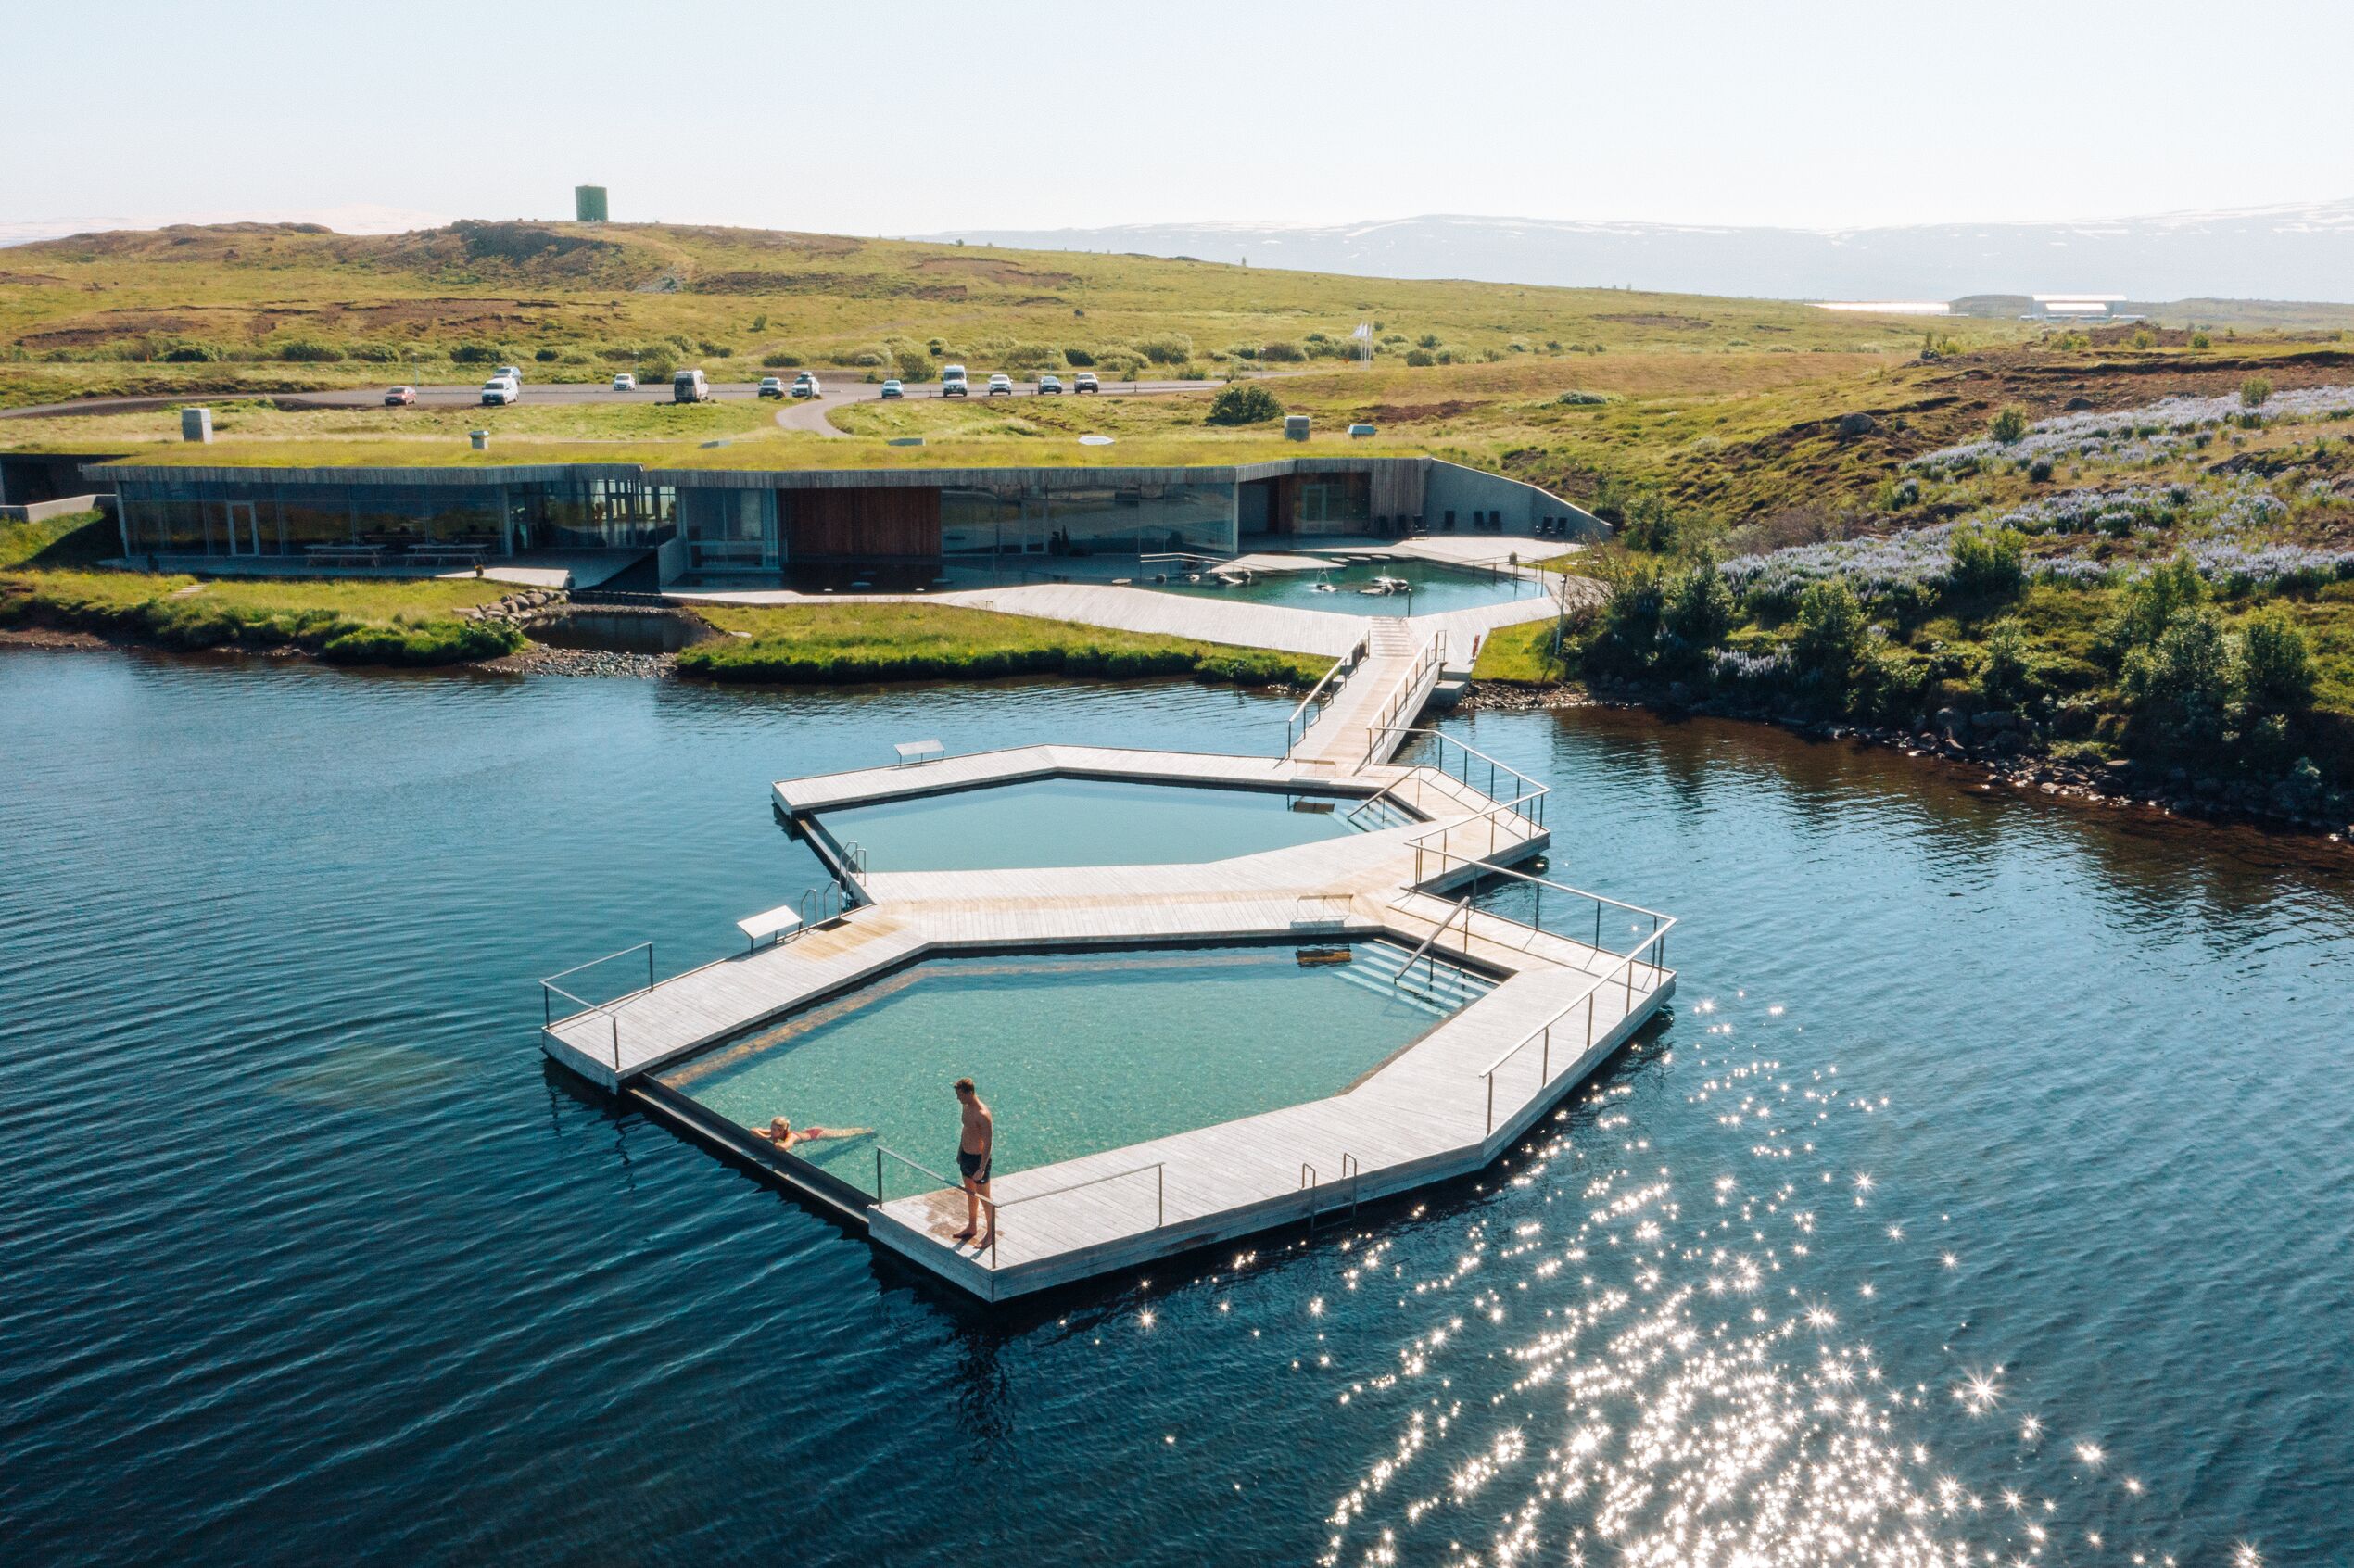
(1999, 749)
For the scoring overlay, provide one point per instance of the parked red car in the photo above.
(399, 397)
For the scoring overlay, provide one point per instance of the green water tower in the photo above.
(588, 203)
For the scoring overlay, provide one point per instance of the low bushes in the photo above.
(1243, 403)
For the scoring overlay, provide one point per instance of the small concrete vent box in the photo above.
(1295, 427)
(195, 425)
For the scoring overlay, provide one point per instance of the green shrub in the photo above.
(1987, 562)
(1282, 353)
(188, 352)
(1174, 350)
(2255, 392)
(914, 364)
(657, 366)
(782, 358)
(2007, 678)
(2281, 677)
(375, 353)
(1829, 631)
(548, 355)
(309, 351)
(1418, 357)
(1573, 398)
(2147, 606)
(1700, 609)
(2039, 471)
(2200, 338)
(2010, 424)
(2185, 687)
(1034, 357)
(1243, 403)
(478, 354)
(1084, 359)
(1427, 340)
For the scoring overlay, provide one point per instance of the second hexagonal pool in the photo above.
(1075, 1052)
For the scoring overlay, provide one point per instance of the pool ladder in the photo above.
(1350, 1172)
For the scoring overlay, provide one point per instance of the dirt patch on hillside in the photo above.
(987, 269)
(1671, 323)
(1415, 413)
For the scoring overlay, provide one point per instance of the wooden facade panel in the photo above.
(862, 523)
(1398, 490)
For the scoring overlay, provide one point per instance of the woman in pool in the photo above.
(785, 1136)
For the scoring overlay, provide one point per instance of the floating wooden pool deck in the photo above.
(1571, 984)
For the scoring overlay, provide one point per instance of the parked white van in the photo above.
(498, 392)
(952, 381)
(689, 386)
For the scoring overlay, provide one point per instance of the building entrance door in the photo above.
(245, 533)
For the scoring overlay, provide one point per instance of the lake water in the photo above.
(1989, 1189)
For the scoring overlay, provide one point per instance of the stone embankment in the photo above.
(1997, 743)
(516, 610)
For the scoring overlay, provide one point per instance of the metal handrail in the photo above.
(1531, 790)
(548, 987)
(1494, 816)
(996, 1206)
(608, 958)
(1440, 930)
(1295, 727)
(1385, 792)
(1486, 870)
(1433, 654)
(1657, 963)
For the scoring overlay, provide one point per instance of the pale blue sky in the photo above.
(904, 117)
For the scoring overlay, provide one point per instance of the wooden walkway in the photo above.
(1447, 1104)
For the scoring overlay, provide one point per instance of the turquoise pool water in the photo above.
(1082, 822)
(1074, 1053)
(1436, 588)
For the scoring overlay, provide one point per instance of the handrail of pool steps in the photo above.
(1296, 727)
(1436, 931)
(1392, 716)
(1656, 964)
(997, 1205)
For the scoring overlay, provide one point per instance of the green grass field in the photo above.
(826, 644)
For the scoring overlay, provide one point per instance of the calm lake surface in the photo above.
(1991, 1189)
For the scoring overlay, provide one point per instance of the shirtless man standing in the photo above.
(972, 1160)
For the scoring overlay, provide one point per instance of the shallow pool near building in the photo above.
(1082, 822)
(1075, 1053)
(1347, 587)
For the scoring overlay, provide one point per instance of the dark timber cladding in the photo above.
(865, 522)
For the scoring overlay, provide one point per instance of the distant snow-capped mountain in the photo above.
(2296, 252)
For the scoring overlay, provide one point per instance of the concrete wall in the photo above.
(41, 511)
(1452, 488)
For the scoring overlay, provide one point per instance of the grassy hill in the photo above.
(263, 307)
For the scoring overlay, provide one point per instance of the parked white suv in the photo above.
(499, 391)
(625, 381)
(805, 385)
(1001, 381)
